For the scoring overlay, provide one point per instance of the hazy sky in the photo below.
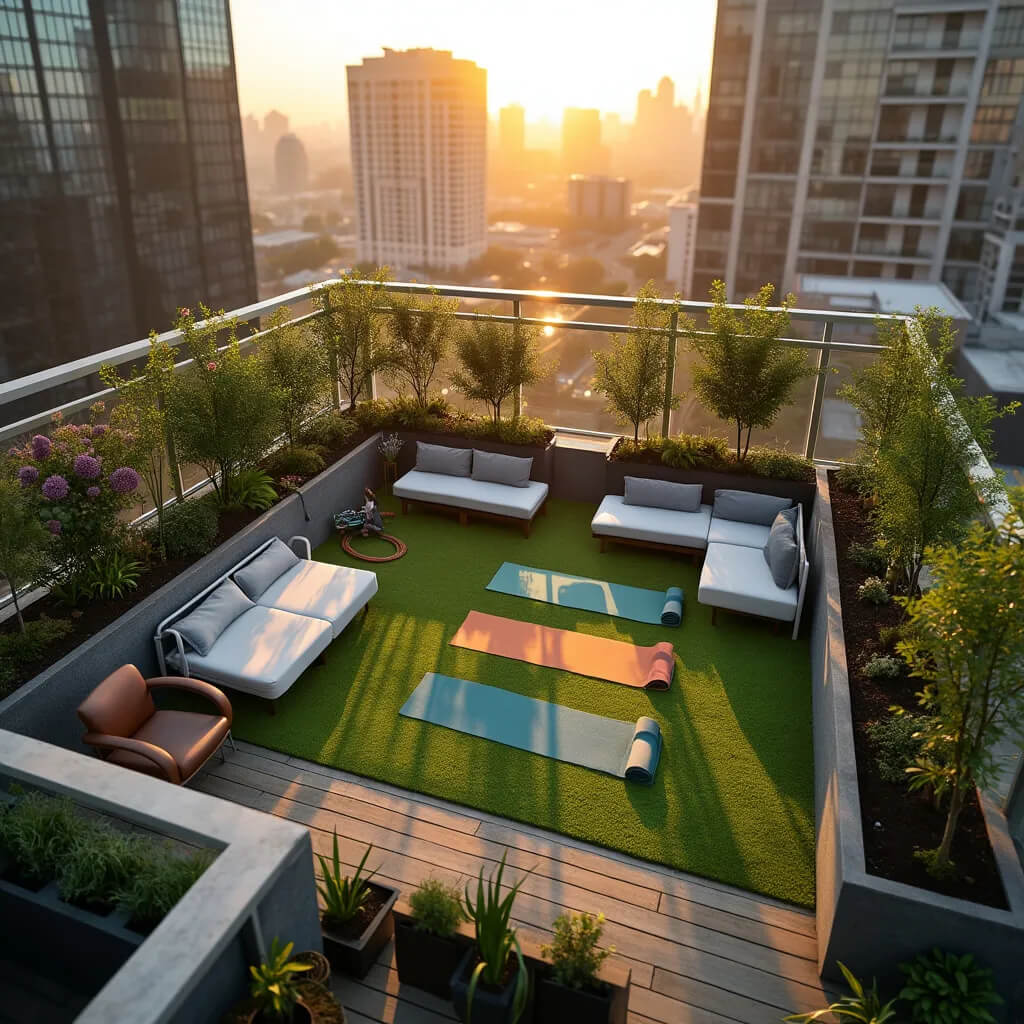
(545, 54)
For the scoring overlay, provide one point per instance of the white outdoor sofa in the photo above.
(258, 627)
(474, 482)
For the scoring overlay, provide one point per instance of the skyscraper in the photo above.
(291, 166)
(856, 137)
(122, 180)
(512, 131)
(418, 128)
(582, 152)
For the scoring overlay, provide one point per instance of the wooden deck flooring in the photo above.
(700, 952)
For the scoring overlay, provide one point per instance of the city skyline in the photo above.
(575, 45)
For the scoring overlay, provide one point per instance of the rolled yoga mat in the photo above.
(597, 656)
(654, 606)
(628, 750)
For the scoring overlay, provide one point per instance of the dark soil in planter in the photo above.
(905, 821)
(12, 874)
(351, 930)
(97, 907)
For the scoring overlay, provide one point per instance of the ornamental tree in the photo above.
(966, 642)
(745, 373)
(631, 372)
(419, 333)
(25, 544)
(495, 360)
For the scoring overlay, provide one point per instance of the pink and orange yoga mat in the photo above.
(597, 656)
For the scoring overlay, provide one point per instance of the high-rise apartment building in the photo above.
(418, 126)
(291, 166)
(582, 152)
(596, 198)
(512, 131)
(856, 137)
(682, 242)
(122, 180)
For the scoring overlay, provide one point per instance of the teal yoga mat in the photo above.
(629, 750)
(656, 607)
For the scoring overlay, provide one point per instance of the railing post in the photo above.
(819, 391)
(517, 312)
(670, 374)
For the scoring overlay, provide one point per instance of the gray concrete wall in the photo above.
(579, 474)
(870, 923)
(45, 707)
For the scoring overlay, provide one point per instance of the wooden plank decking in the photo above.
(700, 952)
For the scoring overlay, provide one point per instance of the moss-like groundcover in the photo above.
(734, 795)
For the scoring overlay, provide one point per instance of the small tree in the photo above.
(224, 407)
(745, 373)
(966, 641)
(347, 332)
(141, 412)
(631, 372)
(420, 332)
(293, 365)
(496, 360)
(24, 541)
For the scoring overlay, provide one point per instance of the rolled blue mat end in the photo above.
(672, 613)
(644, 752)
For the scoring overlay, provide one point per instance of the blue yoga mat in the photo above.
(629, 750)
(663, 608)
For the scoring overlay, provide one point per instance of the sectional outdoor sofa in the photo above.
(474, 482)
(258, 627)
(746, 548)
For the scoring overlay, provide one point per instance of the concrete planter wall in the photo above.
(543, 457)
(45, 707)
(871, 923)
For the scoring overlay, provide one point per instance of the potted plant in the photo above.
(357, 919)
(427, 946)
(570, 989)
(491, 984)
(390, 447)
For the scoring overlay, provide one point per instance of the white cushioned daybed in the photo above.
(487, 484)
(756, 560)
(258, 627)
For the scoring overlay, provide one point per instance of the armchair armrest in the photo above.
(204, 689)
(305, 544)
(167, 765)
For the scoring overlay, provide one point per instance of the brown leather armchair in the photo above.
(125, 727)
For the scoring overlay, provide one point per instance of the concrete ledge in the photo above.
(870, 923)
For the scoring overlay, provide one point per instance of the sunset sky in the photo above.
(545, 55)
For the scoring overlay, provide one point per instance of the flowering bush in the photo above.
(79, 482)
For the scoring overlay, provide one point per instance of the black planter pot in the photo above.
(356, 956)
(425, 960)
(488, 1007)
(559, 1004)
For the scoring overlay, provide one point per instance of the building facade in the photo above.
(291, 166)
(582, 151)
(418, 125)
(682, 242)
(856, 137)
(122, 179)
(595, 198)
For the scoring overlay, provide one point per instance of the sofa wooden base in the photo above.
(465, 513)
(677, 549)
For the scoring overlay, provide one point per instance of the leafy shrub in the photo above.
(779, 464)
(626, 448)
(344, 895)
(304, 462)
(692, 451)
(575, 955)
(331, 430)
(874, 591)
(518, 430)
(273, 986)
(883, 666)
(111, 577)
(37, 832)
(160, 878)
(889, 636)
(437, 907)
(869, 557)
(190, 527)
(896, 747)
(943, 988)
(252, 489)
(99, 863)
(862, 1004)
(19, 650)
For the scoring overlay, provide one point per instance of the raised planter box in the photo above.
(425, 960)
(543, 457)
(356, 956)
(870, 923)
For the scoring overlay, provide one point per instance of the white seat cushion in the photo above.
(656, 525)
(731, 531)
(475, 495)
(332, 592)
(262, 652)
(738, 578)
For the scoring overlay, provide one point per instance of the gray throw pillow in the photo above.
(782, 551)
(439, 458)
(254, 578)
(501, 469)
(201, 627)
(748, 507)
(662, 494)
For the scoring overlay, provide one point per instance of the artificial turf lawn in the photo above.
(733, 798)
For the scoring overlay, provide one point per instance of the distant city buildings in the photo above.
(275, 124)
(418, 131)
(582, 152)
(682, 242)
(663, 148)
(122, 185)
(511, 132)
(863, 140)
(594, 198)
(291, 167)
